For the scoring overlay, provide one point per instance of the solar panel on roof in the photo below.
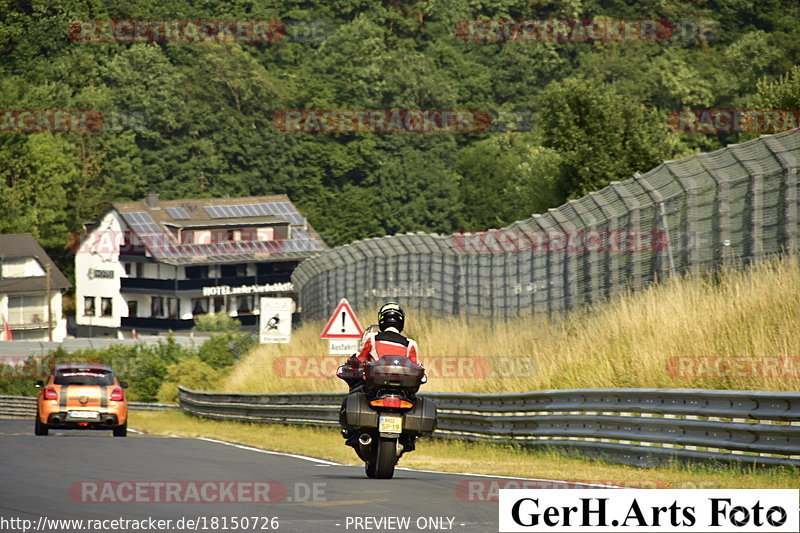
(283, 210)
(177, 213)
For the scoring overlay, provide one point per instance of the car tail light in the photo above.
(117, 395)
(50, 393)
(392, 401)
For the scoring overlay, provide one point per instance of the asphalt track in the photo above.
(45, 477)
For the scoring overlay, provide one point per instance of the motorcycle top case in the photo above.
(392, 371)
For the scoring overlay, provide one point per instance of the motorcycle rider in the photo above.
(387, 341)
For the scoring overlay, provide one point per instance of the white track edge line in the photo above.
(331, 463)
(270, 452)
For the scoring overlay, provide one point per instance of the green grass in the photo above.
(628, 341)
(663, 337)
(462, 456)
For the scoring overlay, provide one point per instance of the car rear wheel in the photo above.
(40, 429)
(121, 430)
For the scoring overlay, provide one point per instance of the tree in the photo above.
(601, 135)
(506, 178)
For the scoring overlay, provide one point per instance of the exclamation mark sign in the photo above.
(343, 317)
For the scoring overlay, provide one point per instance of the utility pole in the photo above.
(49, 306)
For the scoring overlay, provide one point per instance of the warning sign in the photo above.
(276, 320)
(343, 324)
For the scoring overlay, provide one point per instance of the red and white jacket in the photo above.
(389, 342)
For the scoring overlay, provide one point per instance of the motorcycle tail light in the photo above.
(392, 401)
(117, 395)
(50, 393)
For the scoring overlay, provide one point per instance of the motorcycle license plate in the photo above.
(390, 424)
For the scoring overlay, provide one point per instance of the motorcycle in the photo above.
(383, 415)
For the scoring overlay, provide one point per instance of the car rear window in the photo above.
(84, 376)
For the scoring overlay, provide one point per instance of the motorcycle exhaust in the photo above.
(56, 420)
(109, 421)
(365, 439)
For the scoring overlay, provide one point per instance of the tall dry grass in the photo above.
(627, 341)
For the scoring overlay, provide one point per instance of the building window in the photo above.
(265, 234)
(133, 308)
(244, 305)
(128, 268)
(197, 272)
(139, 270)
(106, 307)
(233, 271)
(88, 306)
(26, 309)
(202, 237)
(157, 307)
(199, 306)
(172, 307)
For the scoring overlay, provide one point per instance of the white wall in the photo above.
(100, 251)
(59, 322)
(21, 268)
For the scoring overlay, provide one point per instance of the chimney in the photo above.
(151, 200)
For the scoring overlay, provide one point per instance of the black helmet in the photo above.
(391, 315)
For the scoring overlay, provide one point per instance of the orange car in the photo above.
(82, 397)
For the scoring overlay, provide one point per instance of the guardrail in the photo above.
(25, 406)
(643, 427)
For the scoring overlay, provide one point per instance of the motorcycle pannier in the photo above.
(358, 412)
(422, 418)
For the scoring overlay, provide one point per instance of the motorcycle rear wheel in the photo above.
(386, 458)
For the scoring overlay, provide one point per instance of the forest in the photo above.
(568, 105)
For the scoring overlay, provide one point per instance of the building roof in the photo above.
(22, 246)
(153, 221)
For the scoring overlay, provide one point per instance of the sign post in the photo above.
(275, 322)
(343, 330)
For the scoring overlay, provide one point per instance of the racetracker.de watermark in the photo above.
(177, 31)
(196, 491)
(566, 30)
(548, 241)
(488, 490)
(733, 120)
(104, 242)
(436, 367)
(69, 121)
(36, 367)
(726, 367)
(383, 121)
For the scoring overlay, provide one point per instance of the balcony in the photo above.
(144, 285)
(147, 323)
(27, 318)
(27, 325)
(148, 283)
(175, 324)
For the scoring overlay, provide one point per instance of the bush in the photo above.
(217, 322)
(191, 373)
(151, 371)
(217, 351)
